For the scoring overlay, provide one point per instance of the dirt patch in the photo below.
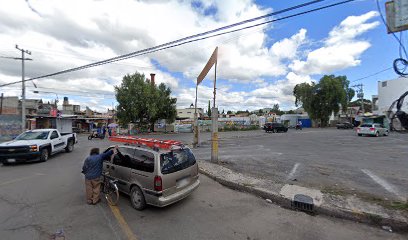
(386, 203)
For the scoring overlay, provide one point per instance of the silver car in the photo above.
(372, 129)
(157, 177)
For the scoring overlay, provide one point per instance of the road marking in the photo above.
(122, 222)
(20, 179)
(390, 188)
(292, 173)
(109, 222)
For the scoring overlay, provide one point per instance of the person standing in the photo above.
(92, 169)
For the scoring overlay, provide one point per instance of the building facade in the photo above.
(188, 113)
(9, 106)
(388, 92)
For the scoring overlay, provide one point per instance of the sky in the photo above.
(257, 67)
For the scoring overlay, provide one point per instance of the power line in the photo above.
(121, 57)
(69, 92)
(183, 40)
(401, 45)
(384, 70)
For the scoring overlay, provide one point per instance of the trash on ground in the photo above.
(387, 228)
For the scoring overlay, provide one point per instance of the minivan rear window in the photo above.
(176, 160)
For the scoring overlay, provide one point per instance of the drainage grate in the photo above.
(303, 203)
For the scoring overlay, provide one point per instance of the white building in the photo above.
(388, 92)
(188, 113)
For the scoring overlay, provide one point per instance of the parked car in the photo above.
(36, 145)
(344, 125)
(372, 129)
(275, 127)
(157, 177)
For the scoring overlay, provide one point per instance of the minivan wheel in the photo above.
(386, 133)
(377, 134)
(137, 199)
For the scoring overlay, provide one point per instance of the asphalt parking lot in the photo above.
(334, 161)
(39, 199)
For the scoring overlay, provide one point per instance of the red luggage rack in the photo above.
(148, 142)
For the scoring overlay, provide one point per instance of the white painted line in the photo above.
(390, 188)
(292, 173)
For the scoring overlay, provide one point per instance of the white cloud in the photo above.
(341, 49)
(62, 34)
(287, 48)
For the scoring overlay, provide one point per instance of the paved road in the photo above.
(333, 160)
(38, 199)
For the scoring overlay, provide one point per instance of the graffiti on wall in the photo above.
(10, 127)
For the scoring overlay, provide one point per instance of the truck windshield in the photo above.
(176, 160)
(33, 135)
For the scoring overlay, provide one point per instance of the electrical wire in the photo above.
(384, 70)
(400, 64)
(172, 43)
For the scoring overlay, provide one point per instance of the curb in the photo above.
(397, 225)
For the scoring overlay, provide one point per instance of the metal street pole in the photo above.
(214, 115)
(23, 114)
(196, 128)
(1, 104)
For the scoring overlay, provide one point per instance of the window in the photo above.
(176, 160)
(33, 135)
(142, 161)
(123, 157)
(54, 135)
(384, 84)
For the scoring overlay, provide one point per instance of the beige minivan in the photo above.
(157, 177)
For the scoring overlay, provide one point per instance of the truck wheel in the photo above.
(44, 155)
(70, 146)
(274, 130)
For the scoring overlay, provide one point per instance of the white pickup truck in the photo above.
(36, 145)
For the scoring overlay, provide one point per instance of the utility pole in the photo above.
(214, 116)
(360, 95)
(23, 114)
(1, 104)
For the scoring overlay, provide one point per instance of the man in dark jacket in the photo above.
(92, 169)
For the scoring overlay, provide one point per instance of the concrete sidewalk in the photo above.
(345, 207)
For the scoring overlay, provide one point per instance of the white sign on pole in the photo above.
(401, 13)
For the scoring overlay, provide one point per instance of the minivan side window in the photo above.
(142, 161)
(123, 157)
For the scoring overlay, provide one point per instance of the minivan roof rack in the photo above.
(148, 142)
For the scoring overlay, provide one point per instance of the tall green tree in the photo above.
(276, 109)
(209, 109)
(367, 104)
(321, 99)
(142, 103)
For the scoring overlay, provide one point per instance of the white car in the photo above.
(372, 129)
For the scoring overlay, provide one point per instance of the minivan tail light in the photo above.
(372, 129)
(158, 186)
